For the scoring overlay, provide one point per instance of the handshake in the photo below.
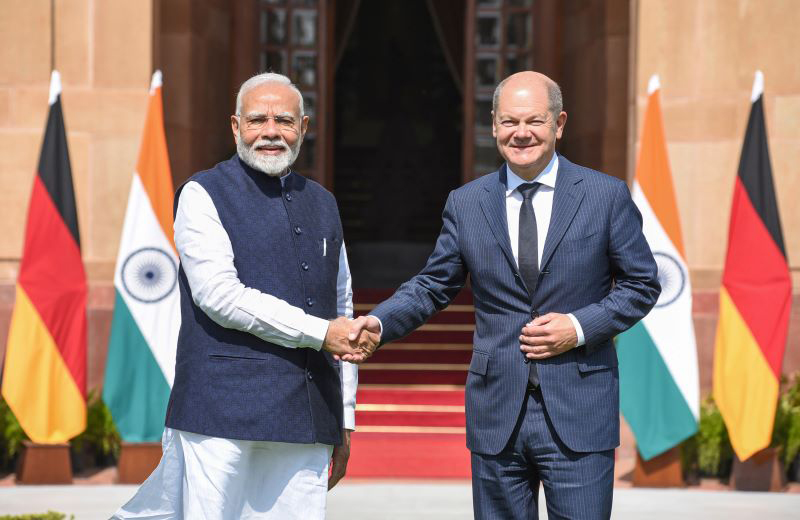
(352, 340)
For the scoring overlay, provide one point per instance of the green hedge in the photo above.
(50, 515)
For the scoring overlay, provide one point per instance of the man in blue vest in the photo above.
(265, 380)
(558, 266)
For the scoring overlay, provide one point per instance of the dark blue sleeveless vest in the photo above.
(230, 383)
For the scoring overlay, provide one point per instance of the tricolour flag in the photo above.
(44, 375)
(754, 299)
(144, 329)
(659, 386)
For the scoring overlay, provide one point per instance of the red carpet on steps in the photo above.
(410, 403)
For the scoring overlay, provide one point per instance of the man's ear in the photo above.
(304, 125)
(494, 126)
(235, 128)
(560, 123)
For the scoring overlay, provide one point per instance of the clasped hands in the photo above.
(548, 336)
(352, 341)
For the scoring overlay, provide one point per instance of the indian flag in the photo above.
(659, 388)
(144, 330)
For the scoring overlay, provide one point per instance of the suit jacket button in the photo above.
(289, 197)
(304, 266)
(310, 376)
(298, 230)
(310, 302)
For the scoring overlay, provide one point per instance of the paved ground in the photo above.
(422, 500)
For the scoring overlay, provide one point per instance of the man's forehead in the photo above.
(522, 97)
(523, 94)
(523, 109)
(274, 94)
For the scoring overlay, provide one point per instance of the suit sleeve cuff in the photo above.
(578, 330)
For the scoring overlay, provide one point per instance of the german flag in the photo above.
(44, 374)
(755, 297)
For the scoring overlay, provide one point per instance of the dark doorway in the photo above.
(397, 140)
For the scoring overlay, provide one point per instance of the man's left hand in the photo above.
(339, 459)
(548, 336)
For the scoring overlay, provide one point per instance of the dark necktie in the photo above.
(528, 254)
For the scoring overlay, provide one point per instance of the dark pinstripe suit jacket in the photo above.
(596, 264)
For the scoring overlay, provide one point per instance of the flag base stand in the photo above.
(761, 472)
(44, 464)
(662, 471)
(136, 461)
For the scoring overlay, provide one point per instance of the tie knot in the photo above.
(527, 190)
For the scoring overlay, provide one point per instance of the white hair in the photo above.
(267, 77)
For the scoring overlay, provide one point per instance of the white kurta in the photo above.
(201, 477)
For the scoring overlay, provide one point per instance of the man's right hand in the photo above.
(344, 344)
(365, 323)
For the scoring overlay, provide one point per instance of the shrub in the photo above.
(786, 433)
(709, 451)
(101, 437)
(100, 440)
(11, 436)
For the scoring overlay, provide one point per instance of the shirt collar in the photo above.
(546, 177)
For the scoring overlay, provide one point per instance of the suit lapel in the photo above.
(566, 200)
(493, 204)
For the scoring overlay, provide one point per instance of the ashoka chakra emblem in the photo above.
(671, 277)
(149, 275)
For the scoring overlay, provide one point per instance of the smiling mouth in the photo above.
(271, 150)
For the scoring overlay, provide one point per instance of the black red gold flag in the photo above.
(44, 374)
(755, 297)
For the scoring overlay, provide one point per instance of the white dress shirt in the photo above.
(206, 255)
(542, 202)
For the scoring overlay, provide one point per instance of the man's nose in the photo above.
(523, 131)
(270, 129)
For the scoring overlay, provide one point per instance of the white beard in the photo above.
(272, 165)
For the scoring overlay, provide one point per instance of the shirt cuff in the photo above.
(349, 418)
(314, 332)
(578, 330)
(380, 323)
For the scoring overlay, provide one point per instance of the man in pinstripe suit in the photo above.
(558, 266)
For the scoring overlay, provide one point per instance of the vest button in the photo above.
(304, 265)
(298, 230)
(289, 197)
(310, 302)
(309, 375)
